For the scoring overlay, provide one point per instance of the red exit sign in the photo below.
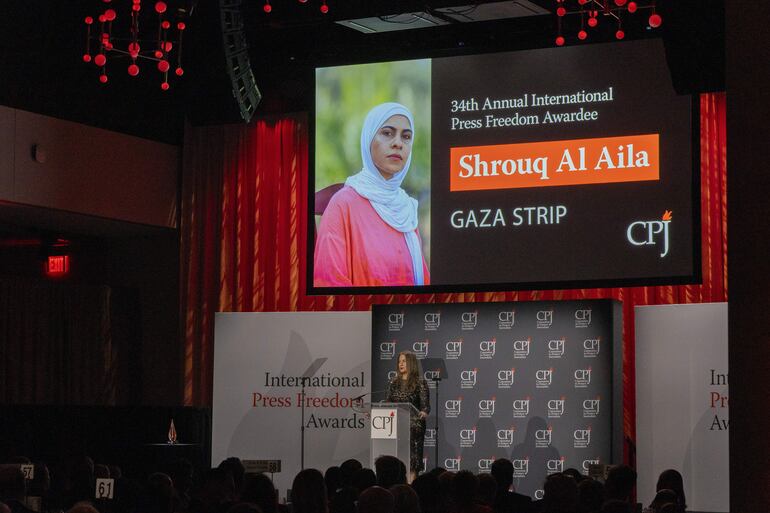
(58, 265)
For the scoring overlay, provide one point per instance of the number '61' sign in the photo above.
(105, 488)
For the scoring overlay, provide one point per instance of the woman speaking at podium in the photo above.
(409, 387)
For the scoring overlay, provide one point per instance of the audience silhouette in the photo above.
(429, 492)
(348, 488)
(308, 492)
(672, 480)
(406, 500)
(376, 499)
(507, 500)
(590, 496)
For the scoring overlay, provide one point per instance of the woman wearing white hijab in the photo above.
(368, 234)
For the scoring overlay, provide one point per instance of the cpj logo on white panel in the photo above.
(384, 421)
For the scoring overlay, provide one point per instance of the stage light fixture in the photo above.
(244, 86)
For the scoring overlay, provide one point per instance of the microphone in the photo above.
(368, 393)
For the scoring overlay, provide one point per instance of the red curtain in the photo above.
(244, 246)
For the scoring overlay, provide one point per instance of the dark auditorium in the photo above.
(384, 256)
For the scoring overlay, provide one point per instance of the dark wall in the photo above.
(748, 187)
(52, 79)
(143, 272)
(150, 266)
(133, 438)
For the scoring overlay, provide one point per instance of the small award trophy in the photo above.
(172, 433)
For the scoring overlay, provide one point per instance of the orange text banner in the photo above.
(631, 158)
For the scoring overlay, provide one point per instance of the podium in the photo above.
(389, 431)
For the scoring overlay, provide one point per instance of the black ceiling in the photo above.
(42, 43)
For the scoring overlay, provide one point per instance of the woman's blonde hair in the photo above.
(412, 369)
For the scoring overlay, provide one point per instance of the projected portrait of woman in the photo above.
(368, 235)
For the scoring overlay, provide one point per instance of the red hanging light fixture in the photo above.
(618, 11)
(324, 8)
(593, 19)
(163, 48)
(582, 34)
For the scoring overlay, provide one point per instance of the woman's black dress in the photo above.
(420, 399)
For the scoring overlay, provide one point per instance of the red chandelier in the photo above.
(616, 11)
(160, 50)
(324, 8)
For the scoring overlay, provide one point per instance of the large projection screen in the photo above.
(548, 168)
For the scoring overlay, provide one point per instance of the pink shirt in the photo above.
(355, 247)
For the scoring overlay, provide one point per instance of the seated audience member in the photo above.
(445, 484)
(559, 494)
(465, 488)
(244, 507)
(83, 507)
(13, 488)
(159, 495)
(363, 479)
(235, 468)
(344, 500)
(348, 468)
(405, 499)
(620, 483)
(590, 496)
(616, 506)
(214, 493)
(308, 492)
(128, 492)
(258, 489)
(81, 483)
(426, 487)
(40, 486)
(390, 471)
(115, 472)
(487, 490)
(662, 498)
(672, 480)
(101, 471)
(574, 474)
(333, 479)
(181, 473)
(39, 489)
(4, 508)
(507, 501)
(402, 472)
(376, 500)
(670, 508)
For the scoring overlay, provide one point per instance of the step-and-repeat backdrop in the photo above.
(539, 383)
